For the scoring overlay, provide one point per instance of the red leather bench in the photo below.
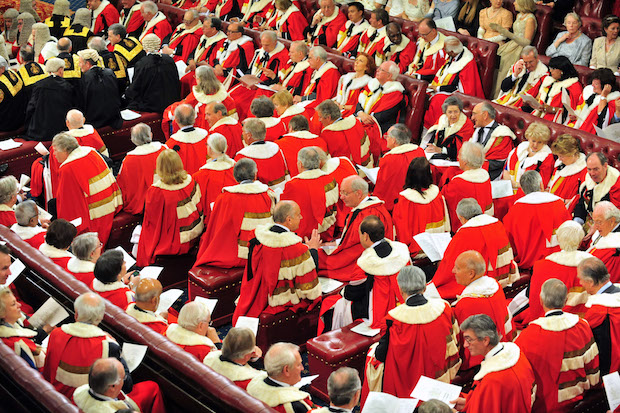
(584, 72)
(334, 349)
(212, 282)
(593, 8)
(296, 328)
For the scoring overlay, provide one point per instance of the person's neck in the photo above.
(489, 123)
(145, 306)
(281, 380)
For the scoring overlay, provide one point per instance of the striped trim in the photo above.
(76, 376)
(253, 219)
(105, 206)
(186, 207)
(192, 231)
(100, 182)
(289, 269)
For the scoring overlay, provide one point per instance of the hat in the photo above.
(41, 37)
(62, 7)
(89, 54)
(27, 6)
(24, 34)
(151, 43)
(83, 17)
(11, 34)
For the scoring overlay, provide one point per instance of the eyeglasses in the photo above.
(470, 340)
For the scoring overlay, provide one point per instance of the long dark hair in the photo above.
(419, 175)
(562, 63)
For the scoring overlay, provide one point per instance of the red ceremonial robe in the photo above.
(19, 339)
(87, 189)
(87, 135)
(291, 143)
(60, 257)
(212, 177)
(236, 213)
(505, 383)
(280, 275)
(232, 130)
(238, 374)
(236, 54)
(417, 212)
(372, 41)
(349, 90)
(34, 236)
(283, 399)
(473, 183)
(316, 193)
(591, 115)
(274, 127)
(103, 17)
(205, 52)
(422, 342)
(603, 315)
(483, 296)
(326, 32)
(499, 144)
(592, 193)
(190, 341)
(486, 235)
(136, 175)
(429, 57)
(449, 137)
(184, 41)
(132, 20)
(256, 8)
(295, 77)
(607, 250)
(82, 270)
(549, 91)
(565, 181)
(563, 266)
(323, 84)
(339, 168)
(402, 54)
(349, 36)
(341, 263)
(347, 137)
(392, 172)
(289, 24)
(272, 169)
(172, 220)
(191, 144)
(158, 25)
(531, 224)
(519, 162)
(7, 216)
(148, 318)
(117, 293)
(566, 366)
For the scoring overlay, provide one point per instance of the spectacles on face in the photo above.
(470, 340)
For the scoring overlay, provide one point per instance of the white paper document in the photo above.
(443, 162)
(167, 298)
(16, 269)
(181, 65)
(365, 330)
(305, 381)
(43, 214)
(531, 101)
(261, 86)
(612, 389)
(151, 271)
(129, 260)
(328, 285)
(386, 403)
(501, 188)
(371, 173)
(209, 302)
(129, 114)
(446, 23)
(9, 144)
(567, 104)
(428, 388)
(611, 132)
(50, 313)
(433, 244)
(45, 342)
(76, 222)
(248, 322)
(23, 181)
(41, 149)
(133, 355)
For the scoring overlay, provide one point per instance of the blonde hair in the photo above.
(170, 167)
(4, 291)
(537, 131)
(466, 15)
(283, 98)
(526, 6)
(566, 145)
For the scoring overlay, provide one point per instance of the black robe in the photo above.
(49, 103)
(155, 84)
(13, 100)
(100, 100)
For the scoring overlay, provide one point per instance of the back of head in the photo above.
(192, 314)
(109, 266)
(147, 289)
(358, 184)
(329, 109)
(553, 294)
(54, 64)
(419, 175)
(570, 234)
(170, 167)
(218, 143)
(609, 210)
(220, 108)
(207, 81)
(26, 53)
(373, 227)
(256, 128)
(238, 343)
(82, 16)
(489, 109)
(453, 44)
(472, 153)
(411, 280)
(60, 234)
(151, 43)
(97, 44)
(342, 385)
(149, 7)
(245, 170)
(103, 374)
(75, 119)
(283, 210)
(278, 356)
(382, 16)
(434, 406)
(90, 308)
(118, 30)
(283, 98)
(65, 143)
(83, 245)
(401, 134)
(8, 188)
(184, 115)
(538, 132)
(319, 53)
(262, 107)
(298, 123)
(141, 134)
(309, 158)
(468, 208)
(483, 326)
(25, 211)
(530, 181)
(594, 270)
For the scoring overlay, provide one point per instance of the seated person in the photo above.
(373, 40)
(294, 76)
(605, 244)
(238, 348)
(420, 340)
(572, 43)
(506, 381)
(138, 168)
(376, 292)
(193, 332)
(420, 208)
(601, 184)
(236, 52)
(276, 388)
(351, 85)
(87, 250)
(533, 220)
(237, 211)
(128, 47)
(27, 225)
(263, 108)
(344, 388)
(172, 221)
(147, 301)
(430, 55)
(338, 168)
(5, 273)
(270, 284)
(154, 21)
(341, 263)
(324, 80)
(600, 101)
(219, 121)
(495, 14)
(481, 233)
(85, 134)
(190, 141)
(8, 199)
(111, 279)
(569, 354)
(297, 138)
(287, 21)
(523, 76)
(482, 295)
(446, 137)
(350, 32)
(58, 239)
(606, 49)
(184, 38)
(398, 49)
(325, 24)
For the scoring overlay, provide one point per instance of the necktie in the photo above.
(421, 60)
(350, 29)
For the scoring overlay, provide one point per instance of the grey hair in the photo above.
(217, 142)
(319, 53)
(256, 128)
(329, 108)
(192, 314)
(149, 7)
(118, 30)
(434, 406)
(471, 263)
(86, 311)
(300, 46)
(342, 385)
(245, 170)
(393, 69)
(593, 269)
(221, 108)
(609, 210)
(483, 326)
(262, 107)
(148, 295)
(299, 123)
(3, 63)
(238, 343)
(472, 153)
(452, 101)
(83, 245)
(97, 43)
(195, 14)
(278, 356)
(184, 115)
(141, 134)
(529, 49)
(411, 280)
(488, 108)
(8, 188)
(103, 374)
(401, 133)
(75, 118)
(574, 16)
(25, 211)
(282, 211)
(570, 234)
(207, 82)
(530, 182)
(553, 294)
(54, 64)
(453, 44)
(468, 208)
(270, 34)
(359, 184)
(309, 158)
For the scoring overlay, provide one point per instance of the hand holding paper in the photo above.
(133, 355)
(50, 313)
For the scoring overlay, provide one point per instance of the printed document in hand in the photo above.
(167, 298)
(371, 173)
(50, 313)
(428, 388)
(209, 302)
(386, 403)
(133, 355)
(151, 271)
(129, 260)
(501, 188)
(16, 269)
(23, 181)
(567, 104)
(248, 322)
(433, 244)
(612, 389)
(181, 65)
(41, 149)
(531, 101)
(328, 285)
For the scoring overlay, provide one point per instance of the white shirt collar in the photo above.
(499, 347)
(279, 382)
(603, 288)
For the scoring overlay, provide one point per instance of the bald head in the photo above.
(147, 294)
(468, 267)
(64, 44)
(288, 214)
(75, 119)
(105, 377)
